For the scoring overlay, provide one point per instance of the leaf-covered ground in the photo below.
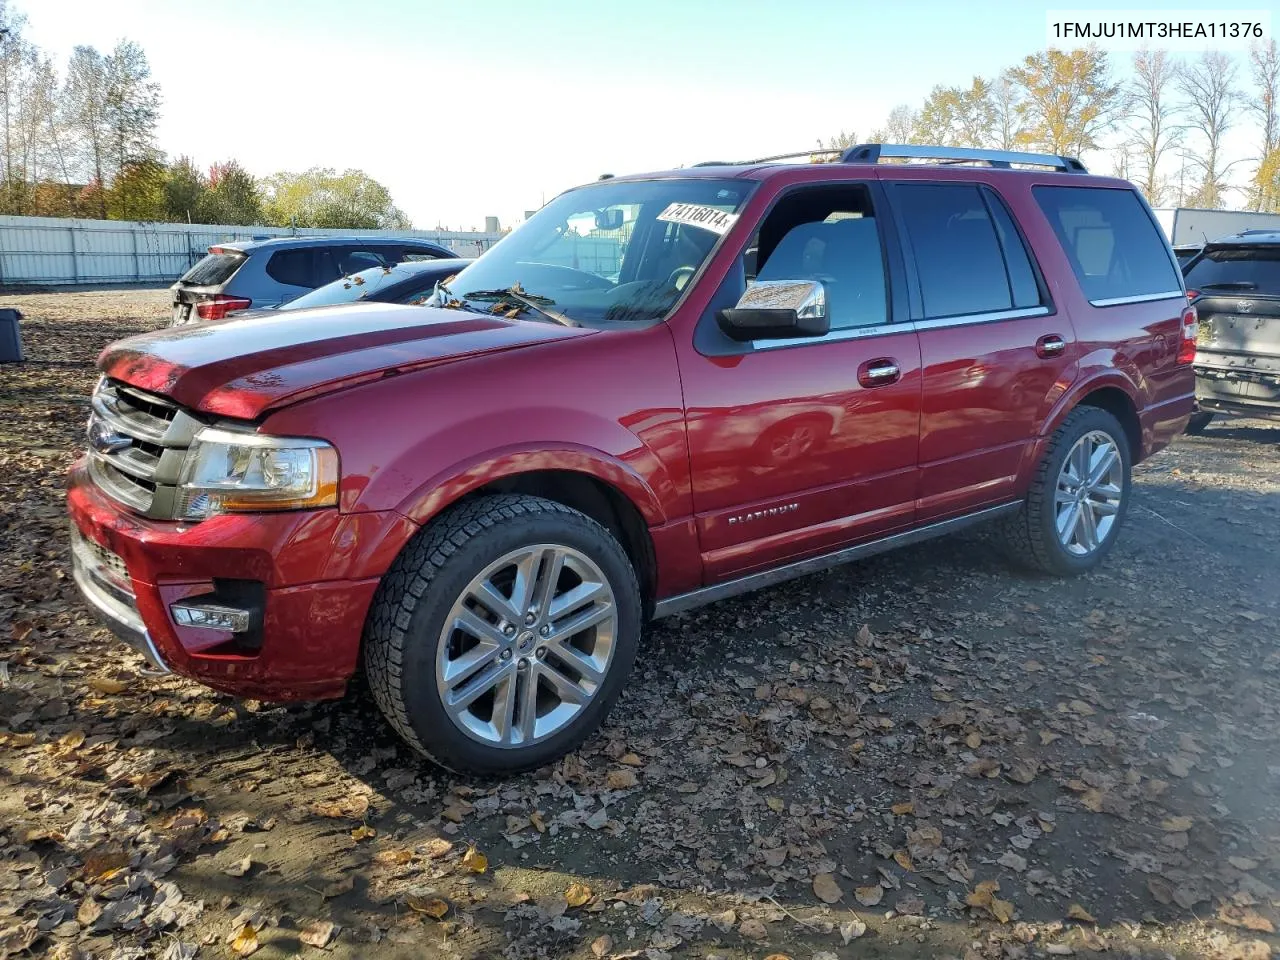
(926, 754)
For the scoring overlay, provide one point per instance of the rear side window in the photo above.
(410, 254)
(1115, 248)
(293, 267)
(214, 269)
(959, 251)
(1238, 269)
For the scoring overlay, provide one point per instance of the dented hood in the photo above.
(243, 367)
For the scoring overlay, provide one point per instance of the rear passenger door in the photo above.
(994, 351)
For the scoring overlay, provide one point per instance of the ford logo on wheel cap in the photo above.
(105, 440)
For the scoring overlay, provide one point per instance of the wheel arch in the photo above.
(1114, 394)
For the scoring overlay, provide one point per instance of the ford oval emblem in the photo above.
(105, 440)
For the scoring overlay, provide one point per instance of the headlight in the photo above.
(230, 472)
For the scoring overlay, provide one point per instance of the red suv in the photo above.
(662, 390)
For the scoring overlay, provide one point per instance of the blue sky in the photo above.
(489, 106)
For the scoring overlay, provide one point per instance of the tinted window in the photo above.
(214, 269)
(957, 252)
(354, 259)
(1115, 248)
(293, 267)
(411, 254)
(1245, 269)
(1022, 276)
(844, 253)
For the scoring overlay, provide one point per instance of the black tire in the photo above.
(1199, 420)
(417, 593)
(1030, 535)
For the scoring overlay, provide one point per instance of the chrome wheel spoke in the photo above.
(1063, 496)
(566, 689)
(1103, 461)
(1104, 508)
(549, 568)
(1088, 530)
(489, 597)
(504, 707)
(469, 622)
(583, 620)
(578, 660)
(580, 595)
(528, 704)
(468, 693)
(1108, 490)
(1068, 521)
(481, 655)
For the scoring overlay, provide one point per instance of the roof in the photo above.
(295, 242)
(1248, 238)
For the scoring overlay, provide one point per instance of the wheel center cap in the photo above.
(525, 641)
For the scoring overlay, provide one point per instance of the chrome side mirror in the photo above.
(778, 310)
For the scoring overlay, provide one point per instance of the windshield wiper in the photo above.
(530, 301)
(1233, 285)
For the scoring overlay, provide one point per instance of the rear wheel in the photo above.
(1078, 499)
(1199, 420)
(503, 634)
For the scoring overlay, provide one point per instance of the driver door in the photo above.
(802, 446)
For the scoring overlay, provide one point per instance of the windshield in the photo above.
(353, 287)
(1239, 268)
(617, 251)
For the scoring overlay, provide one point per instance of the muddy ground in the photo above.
(925, 754)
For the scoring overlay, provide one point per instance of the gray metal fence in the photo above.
(54, 250)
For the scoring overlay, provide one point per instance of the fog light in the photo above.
(210, 616)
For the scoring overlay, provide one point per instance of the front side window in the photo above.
(614, 252)
(828, 234)
(1115, 248)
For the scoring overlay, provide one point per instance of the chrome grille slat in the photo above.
(137, 445)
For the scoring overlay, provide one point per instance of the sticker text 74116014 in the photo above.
(698, 215)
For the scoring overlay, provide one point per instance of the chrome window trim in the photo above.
(845, 333)
(964, 319)
(1140, 298)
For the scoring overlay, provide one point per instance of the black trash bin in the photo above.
(10, 336)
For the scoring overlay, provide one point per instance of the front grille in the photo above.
(137, 443)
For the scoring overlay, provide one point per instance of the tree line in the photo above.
(1163, 127)
(81, 142)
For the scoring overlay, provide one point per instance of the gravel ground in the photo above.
(922, 754)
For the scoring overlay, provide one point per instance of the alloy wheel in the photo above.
(1089, 493)
(527, 645)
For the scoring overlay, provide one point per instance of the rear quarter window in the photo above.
(214, 269)
(293, 267)
(1116, 250)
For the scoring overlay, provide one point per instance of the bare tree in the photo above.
(1151, 117)
(1264, 104)
(900, 127)
(1212, 100)
(84, 107)
(1006, 108)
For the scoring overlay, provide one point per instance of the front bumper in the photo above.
(315, 573)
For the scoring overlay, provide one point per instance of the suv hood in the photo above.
(244, 367)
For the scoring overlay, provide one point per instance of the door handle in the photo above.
(879, 373)
(1050, 345)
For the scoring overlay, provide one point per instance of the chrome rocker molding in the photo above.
(769, 578)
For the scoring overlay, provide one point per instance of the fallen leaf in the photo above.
(104, 864)
(620, 779)
(317, 933)
(1176, 824)
(578, 894)
(436, 847)
(903, 809)
(475, 861)
(826, 889)
(973, 741)
(363, 832)
(1002, 910)
(239, 868)
(903, 859)
(1077, 912)
(107, 685)
(724, 921)
(433, 907)
(601, 945)
(753, 929)
(869, 896)
(246, 941)
(351, 807)
(393, 857)
(1242, 863)
(852, 930)
(1013, 861)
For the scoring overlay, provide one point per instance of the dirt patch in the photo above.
(849, 762)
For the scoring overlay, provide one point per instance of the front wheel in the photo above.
(503, 634)
(1078, 498)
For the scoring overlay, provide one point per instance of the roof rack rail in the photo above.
(819, 152)
(875, 152)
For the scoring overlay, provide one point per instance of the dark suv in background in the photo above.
(1234, 283)
(267, 273)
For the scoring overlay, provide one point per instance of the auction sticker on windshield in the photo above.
(697, 215)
